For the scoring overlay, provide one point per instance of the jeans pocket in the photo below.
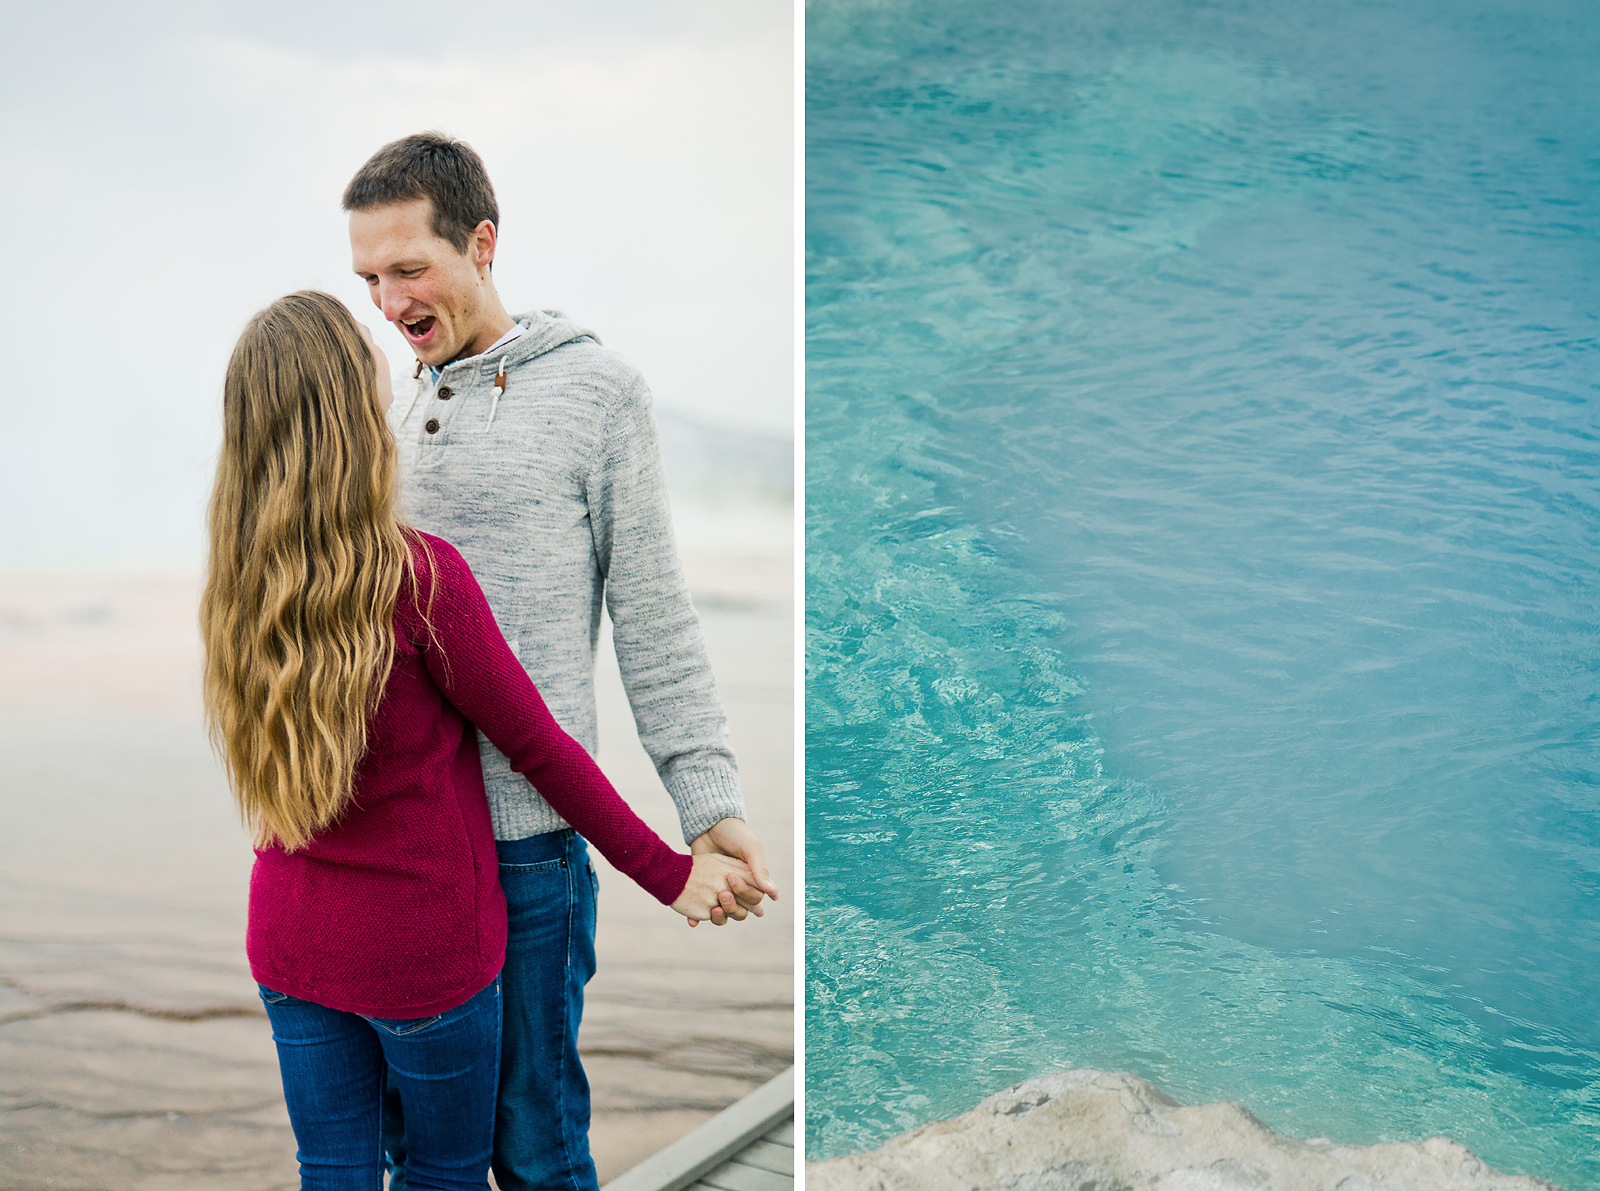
(402, 1027)
(271, 996)
(594, 882)
(543, 866)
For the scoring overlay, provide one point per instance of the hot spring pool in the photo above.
(1203, 550)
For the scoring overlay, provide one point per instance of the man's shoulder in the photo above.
(562, 353)
(586, 367)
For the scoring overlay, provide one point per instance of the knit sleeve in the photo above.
(655, 629)
(469, 659)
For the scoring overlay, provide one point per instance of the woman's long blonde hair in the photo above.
(307, 561)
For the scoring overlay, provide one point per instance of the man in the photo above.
(532, 449)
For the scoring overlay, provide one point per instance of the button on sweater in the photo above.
(396, 910)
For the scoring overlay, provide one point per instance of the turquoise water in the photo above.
(1203, 550)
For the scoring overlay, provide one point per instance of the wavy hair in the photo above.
(308, 557)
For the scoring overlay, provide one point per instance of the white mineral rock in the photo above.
(1102, 1131)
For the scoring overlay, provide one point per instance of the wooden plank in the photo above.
(736, 1176)
(713, 1143)
(783, 1135)
(777, 1159)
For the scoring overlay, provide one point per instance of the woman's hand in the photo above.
(732, 837)
(713, 882)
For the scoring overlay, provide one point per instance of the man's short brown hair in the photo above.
(434, 166)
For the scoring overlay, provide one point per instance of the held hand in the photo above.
(733, 837)
(710, 882)
(738, 901)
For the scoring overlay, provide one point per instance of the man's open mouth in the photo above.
(417, 329)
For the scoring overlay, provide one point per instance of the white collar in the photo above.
(516, 329)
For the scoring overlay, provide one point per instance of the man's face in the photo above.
(433, 294)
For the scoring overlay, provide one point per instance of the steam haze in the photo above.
(174, 168)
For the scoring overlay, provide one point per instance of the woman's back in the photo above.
(395, 910)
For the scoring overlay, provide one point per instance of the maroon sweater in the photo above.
(396, 910)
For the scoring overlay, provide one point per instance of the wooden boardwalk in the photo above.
(746, 1147)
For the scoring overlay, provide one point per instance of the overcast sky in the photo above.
(171, 168)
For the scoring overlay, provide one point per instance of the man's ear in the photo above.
(482, 245)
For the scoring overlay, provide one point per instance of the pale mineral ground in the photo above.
(1087, 1130)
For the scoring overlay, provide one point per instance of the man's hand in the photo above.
(708, 879)
(733, 837)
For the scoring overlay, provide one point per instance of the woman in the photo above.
(349, 660)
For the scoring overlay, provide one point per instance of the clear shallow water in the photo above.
(1201, 555)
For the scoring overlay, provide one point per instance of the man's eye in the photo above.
(412, 272)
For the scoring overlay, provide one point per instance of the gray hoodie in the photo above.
(553, 492)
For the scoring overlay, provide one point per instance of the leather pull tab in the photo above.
(500, 381)
(418, 372)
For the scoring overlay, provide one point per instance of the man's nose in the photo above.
(390, 298)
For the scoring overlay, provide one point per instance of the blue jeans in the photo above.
(541, 1140)
(445, 1067)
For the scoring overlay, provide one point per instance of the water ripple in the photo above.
(1202, 558)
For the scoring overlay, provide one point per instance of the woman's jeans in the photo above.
(446, 1068)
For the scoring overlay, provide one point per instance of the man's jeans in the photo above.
(541, 1140)
(444, 1066)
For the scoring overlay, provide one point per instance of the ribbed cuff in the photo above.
(705, 794)
(664, 877)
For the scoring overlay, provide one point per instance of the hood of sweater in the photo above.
(542, 331)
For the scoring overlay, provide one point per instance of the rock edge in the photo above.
(1087, 1130)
